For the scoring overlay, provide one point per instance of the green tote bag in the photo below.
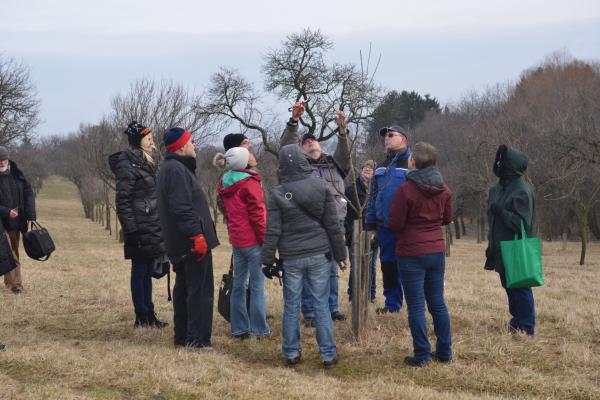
(522, 260)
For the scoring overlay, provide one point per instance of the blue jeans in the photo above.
(372, 264)
(248, 276)
(141, 285)
(521, 307)
(423, 280)
(315, 271)
(308, 308)
(392, 284)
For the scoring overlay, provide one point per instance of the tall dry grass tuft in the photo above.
(70, 334)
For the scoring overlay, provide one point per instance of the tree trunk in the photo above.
(594, 225)
(448, 230)
(457, 228)
(361, 281)
(582, 214)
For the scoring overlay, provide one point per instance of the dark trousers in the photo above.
(423, 281)
(12, 279)
(141, 285)
(193, 297)
(521, 306)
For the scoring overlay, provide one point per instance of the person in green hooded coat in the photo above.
(511, 201)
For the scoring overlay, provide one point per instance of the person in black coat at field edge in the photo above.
(17, 208)
(135, 172)
(190, 235)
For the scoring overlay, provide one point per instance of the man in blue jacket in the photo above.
(386, 179)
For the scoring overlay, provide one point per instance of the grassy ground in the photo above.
(70, 334)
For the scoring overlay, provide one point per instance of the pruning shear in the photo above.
(303, 101)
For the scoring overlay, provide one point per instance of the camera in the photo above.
(273, 271)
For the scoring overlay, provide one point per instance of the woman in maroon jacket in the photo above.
(243, 202)
(419, 209)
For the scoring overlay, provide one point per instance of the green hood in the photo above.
(515, 165)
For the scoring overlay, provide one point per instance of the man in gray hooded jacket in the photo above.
(302, 224)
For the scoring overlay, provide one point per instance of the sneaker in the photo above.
(310, 322)
(245, 335)
(16, 290)
(2, 346)
(290, 362)
(443, 360)
(385, 310)
(338, 316)
(413, 362)
(330, 363)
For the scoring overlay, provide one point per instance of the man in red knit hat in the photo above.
(190, 235)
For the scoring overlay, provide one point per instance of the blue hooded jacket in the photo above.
(386, 180)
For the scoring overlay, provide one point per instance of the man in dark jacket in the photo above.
(333, 170)
(356, 207)
(302, 225)
(135, 173)
(190, 235)
(387, 178)
(511, 201)
(17, 208)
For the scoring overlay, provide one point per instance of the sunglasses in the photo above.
(391, 134)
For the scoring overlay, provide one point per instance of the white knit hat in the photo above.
(236, 158)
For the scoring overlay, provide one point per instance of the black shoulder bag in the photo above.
(37, 242)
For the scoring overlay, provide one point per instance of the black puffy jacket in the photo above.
(24, 201)
(137, 206)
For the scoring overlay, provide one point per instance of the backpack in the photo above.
(37, 242)
(224, 300)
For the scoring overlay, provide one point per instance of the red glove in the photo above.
(199, 246)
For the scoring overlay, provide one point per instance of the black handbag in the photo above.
(37, 242)
(160, 268)
(224, 301)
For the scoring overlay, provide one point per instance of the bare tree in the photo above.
(297, 70)
(19, 104)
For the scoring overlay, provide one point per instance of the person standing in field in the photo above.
(17, 208)
(419, 208)
(386, 179)
(190, 235)
(333, 169)
(303, 227)
(243, 202)
(135, 198)
(358, 198)
(510, 202)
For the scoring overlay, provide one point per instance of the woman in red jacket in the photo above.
(243, 202)
(419, 209)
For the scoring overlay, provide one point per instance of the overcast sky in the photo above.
(81, 53)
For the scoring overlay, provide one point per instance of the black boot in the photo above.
(141, 320)
(154, 322)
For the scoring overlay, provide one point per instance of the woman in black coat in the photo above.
(135, 172)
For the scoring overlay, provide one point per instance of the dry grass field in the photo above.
(70, 334)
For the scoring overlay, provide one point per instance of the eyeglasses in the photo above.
(391, 134)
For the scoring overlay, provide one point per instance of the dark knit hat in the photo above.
(233, 140)
(394, 128)
(3, 153)
(307, 136)
(135, 132)
(175, 138)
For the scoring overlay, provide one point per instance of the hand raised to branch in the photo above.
(297, 110)
(340, 119)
